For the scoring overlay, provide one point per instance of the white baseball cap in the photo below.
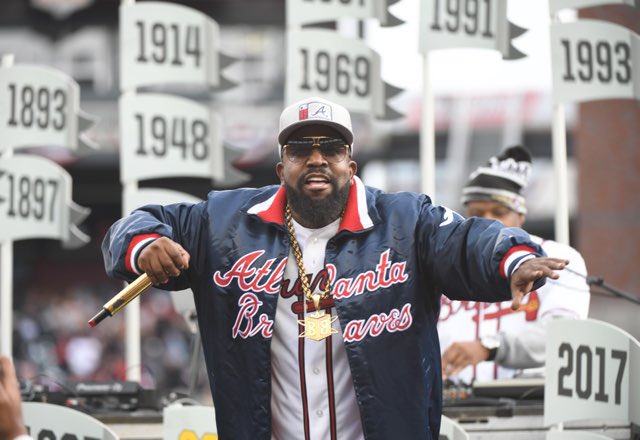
(317, 111)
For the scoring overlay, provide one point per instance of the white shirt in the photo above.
(521, 333)
(312, 394)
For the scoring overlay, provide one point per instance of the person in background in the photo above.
(482, 341)
(11, 425)
(317, 298)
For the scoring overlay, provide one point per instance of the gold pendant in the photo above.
(318, 326)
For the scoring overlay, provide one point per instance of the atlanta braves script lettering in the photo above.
(244, 325)
(395, 321)
(268, 279)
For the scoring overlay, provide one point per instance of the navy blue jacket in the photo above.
(393, 255)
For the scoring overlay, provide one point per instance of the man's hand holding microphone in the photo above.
(160, 260)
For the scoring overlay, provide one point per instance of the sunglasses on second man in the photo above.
(334, 150)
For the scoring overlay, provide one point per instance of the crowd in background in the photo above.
(54, 346)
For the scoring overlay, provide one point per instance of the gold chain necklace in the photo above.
(317, 326)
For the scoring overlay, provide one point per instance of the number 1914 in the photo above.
(172, 44)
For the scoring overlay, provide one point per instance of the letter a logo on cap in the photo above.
(303, 112)
(314, 110)
(320, 110)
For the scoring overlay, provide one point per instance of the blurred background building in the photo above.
(482, 105)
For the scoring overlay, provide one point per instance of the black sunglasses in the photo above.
(334, 150)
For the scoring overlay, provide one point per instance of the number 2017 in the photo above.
(583, 369)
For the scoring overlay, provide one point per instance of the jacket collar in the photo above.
(356, 214)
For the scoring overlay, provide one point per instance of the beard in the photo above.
(316, 213)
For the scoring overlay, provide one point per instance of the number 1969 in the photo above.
(340, 73)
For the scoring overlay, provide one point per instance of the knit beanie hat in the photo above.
(501, 179)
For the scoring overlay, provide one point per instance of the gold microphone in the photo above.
(122, 299)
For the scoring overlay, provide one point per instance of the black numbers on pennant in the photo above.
(38, 107)
(602, 61)
(171, 44)
(471, 17)
(340, 74)
(189, 137)
(31, 198)
(583, 368)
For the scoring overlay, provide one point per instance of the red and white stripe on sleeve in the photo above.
(135, 246)
(514, 258)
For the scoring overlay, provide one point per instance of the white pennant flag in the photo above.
(35, 202)
(594, 59)
(40, 106)
(300, 12)
(344, 70)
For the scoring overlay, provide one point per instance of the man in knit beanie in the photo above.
(482, 341)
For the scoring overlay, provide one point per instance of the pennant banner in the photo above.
(35, 202)
(168, 136)
(591, 372)
(40, 106)
(556, 5)
(300, 12)
(164, 43)
(471, 24)
(594, 59)
(46, 420)
(337, 68)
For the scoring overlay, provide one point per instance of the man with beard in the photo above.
(317, 300)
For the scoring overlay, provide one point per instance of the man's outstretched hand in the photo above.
(529, 272)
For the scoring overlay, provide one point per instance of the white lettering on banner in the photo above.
(244, 325)
(395, 321)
